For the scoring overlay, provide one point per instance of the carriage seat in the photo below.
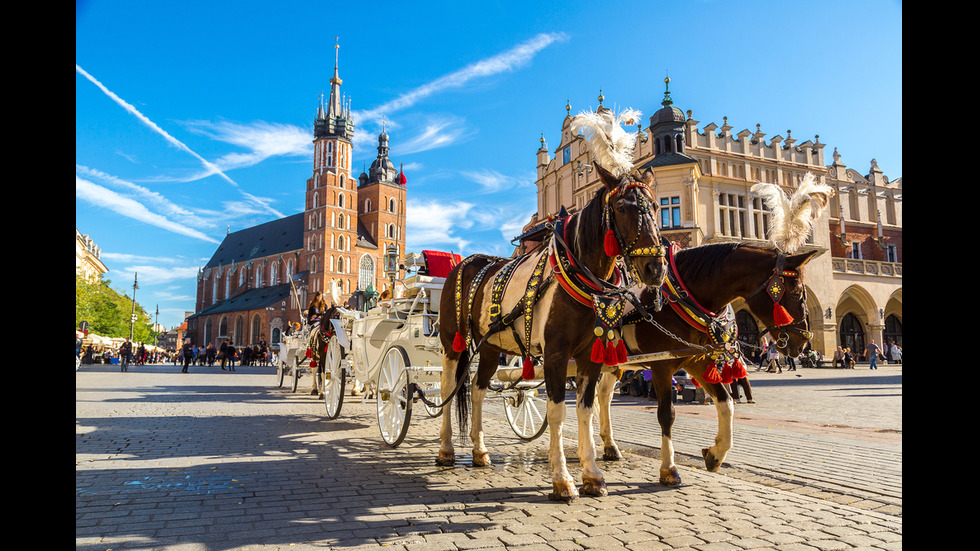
(438, 263)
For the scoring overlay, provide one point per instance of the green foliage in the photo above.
(108, 312)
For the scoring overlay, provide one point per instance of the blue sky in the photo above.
(195, 118)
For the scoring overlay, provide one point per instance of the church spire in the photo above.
(336, 108)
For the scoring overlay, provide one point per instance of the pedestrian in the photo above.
(223, 354)
(744, 383)
(896, 352)
(848, 358)
(871, 352)
(209, 354)
(763, 355)
(125, 350)
(839, 358)
(187, 353)
(773, 360)
(246, 356)
(231, 357)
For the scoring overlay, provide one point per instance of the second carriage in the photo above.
(394, 352)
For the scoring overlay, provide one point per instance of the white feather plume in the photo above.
(334, 292)
(611, 145)
(793, 216)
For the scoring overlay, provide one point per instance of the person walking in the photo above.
(188, 353)
(231, 357)
(871, 352)
(896, 352)
(223, 354)
(125, 351)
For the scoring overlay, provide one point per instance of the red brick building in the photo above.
(247, 292)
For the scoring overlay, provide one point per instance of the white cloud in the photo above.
(433, 224)
(210, 167)
(102, 197)
(262, 140)
(436, 132)
(509, 60)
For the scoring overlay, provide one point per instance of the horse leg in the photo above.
(447, 384)
(488, 366)
(593, 482)
(604, 391)
(665, 415)
(725, 406)
(563, 484)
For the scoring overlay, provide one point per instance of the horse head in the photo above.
(780, 303)
(630, 217)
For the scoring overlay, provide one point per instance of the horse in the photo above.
(575, 318)
(702, 283)
(700, 321)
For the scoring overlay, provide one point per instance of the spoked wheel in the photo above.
(296, 369)
(526, 413)
(437, 400)
(394, 396)
(281, 370)
(333, 379)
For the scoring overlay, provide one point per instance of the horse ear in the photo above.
(648, 179)
(798, 260)
(606, 177)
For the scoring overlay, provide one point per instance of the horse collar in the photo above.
(719, 326)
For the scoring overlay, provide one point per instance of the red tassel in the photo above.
(726, 374)
(528, 372)
(309, 353)
(621, 352)
(312, 363)
(695, 383)
(459, 343)
(711, 374)
(609, 358)
(780, 316)
(597, 350)
(738, 370)
(611, 244)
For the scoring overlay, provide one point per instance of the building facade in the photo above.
(87, 257)
(261, 278)
(703, 181)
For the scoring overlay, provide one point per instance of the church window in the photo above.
(340, 200)
(367, 205)
(340, 264)
(391, 205)
(274, 275)
(365, 275)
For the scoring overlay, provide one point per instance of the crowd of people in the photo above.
(125, 354)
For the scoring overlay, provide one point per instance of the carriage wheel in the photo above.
(437, 400)
(526, 414)
(296, 369)
(281, 372)
(394, 396)
(333, 379)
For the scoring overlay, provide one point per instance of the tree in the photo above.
(108, 311)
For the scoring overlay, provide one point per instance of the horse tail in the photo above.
(462, 369)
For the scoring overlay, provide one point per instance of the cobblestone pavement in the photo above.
(213, 460)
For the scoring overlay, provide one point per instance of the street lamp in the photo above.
(132, 317)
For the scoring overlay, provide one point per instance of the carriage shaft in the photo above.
(515, 373)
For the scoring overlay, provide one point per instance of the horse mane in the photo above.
(590, 224)
(705, 261)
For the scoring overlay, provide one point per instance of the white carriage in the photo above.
(394, 351)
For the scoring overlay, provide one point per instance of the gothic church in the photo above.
(245, 293)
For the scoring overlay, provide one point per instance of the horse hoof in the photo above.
(595, 487)
(611, 453)
(711, 462)
(563, 491)
(445, 458)
(481, 459)
(670, 477)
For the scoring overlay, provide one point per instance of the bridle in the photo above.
(615, 245)
(783, 323)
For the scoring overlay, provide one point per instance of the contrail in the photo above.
(173, 141)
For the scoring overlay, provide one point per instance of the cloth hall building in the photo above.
(703, 180)
(245, 293)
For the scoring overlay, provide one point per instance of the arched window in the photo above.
(392, 205)
(275, 336)
(223, 327)
(340, 264)
(239, 331)
(258, 277)
(365, 272)
(893, 330)
(367, 205)
(256, 329)
(340, 200)
(852, 334)
(274, 275)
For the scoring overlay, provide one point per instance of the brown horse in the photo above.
(702, 283)
(537, 313)
(700, 287)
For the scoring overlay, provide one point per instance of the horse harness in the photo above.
(605, 298)
(775, 287)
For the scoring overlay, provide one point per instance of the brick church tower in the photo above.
(381, 202)
(330, 231)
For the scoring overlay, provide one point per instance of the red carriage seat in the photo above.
(439, 264)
